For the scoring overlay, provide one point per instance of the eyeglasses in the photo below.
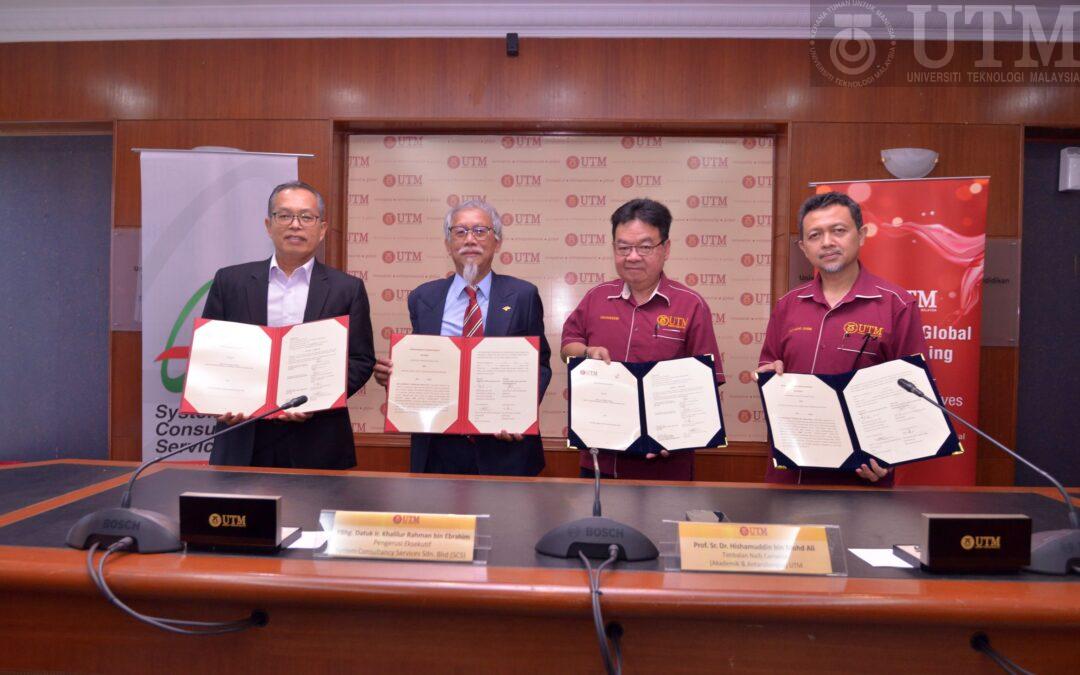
(481, 232)
(284, 218)
(643, 250)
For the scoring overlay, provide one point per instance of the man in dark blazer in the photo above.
(289, 288)
(505, 306)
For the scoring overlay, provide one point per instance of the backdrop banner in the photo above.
(201, 210)
(555, 195)
(929, 236)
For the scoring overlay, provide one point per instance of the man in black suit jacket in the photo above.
(289, 288)
(509, 307)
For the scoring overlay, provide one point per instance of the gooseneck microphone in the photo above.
(150, 531)
(594, 536)
(1052, 551)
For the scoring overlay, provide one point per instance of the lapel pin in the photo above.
(506, 308)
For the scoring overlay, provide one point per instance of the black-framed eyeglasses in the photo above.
(481, 232)
(644, 250)
(284, 218)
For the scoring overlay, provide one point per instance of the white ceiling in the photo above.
(79, 20)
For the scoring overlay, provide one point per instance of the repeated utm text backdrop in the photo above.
(556, 195)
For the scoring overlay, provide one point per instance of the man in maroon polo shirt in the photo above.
(845, 319)
(644, 316)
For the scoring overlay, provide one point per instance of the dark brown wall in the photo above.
(300, 95)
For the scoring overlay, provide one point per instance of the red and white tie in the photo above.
(473, 325)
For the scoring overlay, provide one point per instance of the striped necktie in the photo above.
(473, 325)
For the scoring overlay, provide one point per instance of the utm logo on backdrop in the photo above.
(585, 239)
(750, 182)
(748, 338)
(521, 142)
(403, 180)
(359, 199)
(695, 162)
(521, 219)
(359, 161)
(392, 294)
(390, 257)
(706, 279)
(467, 161)
(520, 257)
(586, 162)
(759, 220)
(706, 240)
(756, 259)
(628, 181)
(707, 201)
(403, 218)
(574, 201)
(584, 278)
(387, 331)
(453, 201)
(518, 180)
(632, 142)
(748, 299)
(404, 141)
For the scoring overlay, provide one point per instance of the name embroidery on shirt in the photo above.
(608, 317)
(797, 329)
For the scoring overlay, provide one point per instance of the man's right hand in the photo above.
(383, 368)
(776, 366)
(596, 352)
(230, 419)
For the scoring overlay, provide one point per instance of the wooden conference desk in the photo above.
(523, 612)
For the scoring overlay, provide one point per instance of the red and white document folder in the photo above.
(249, 369)
(456, 385)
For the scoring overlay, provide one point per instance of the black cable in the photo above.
(613, 666)
(980, 642)
(257, 618)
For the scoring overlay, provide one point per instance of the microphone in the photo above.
(151, 531)
(1052, 551)
(595, 536)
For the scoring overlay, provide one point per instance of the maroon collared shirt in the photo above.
(675, 322)
(876, 321)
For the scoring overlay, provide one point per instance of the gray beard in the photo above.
(469, 273)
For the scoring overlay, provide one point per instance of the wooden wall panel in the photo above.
(470, 79)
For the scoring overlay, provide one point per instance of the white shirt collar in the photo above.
(306, 267)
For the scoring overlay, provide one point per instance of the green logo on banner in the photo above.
(176, 384)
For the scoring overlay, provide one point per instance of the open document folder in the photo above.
(642, 408)
(248, 369)
(841, 421)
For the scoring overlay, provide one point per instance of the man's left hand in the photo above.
(872, 473)
(653, 455)
(507, 436)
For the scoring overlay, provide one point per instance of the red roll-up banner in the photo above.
(929, 236)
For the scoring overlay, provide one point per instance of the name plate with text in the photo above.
(755, 547)
(402, 536)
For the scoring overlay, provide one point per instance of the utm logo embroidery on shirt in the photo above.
(608, 317)
(853, 328)
(665, 321)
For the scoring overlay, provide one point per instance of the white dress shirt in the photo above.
(287, 296)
